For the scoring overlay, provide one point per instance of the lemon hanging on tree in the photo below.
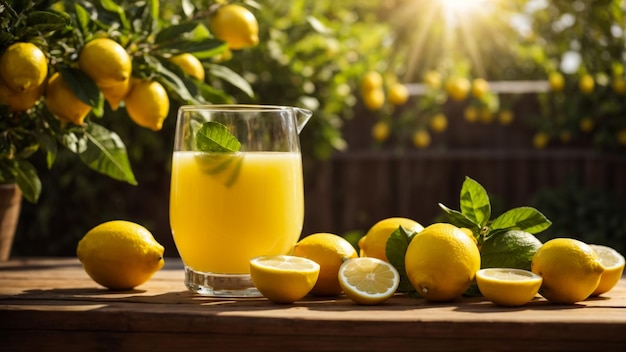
(23, 66)
(190, 65)
(235, 25)
(63, 103)
(105, 61)
(147, 104)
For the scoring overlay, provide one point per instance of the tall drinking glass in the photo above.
(236, 191)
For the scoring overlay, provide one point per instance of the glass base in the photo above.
(220, 285)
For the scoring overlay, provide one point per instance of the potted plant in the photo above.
(65, 66)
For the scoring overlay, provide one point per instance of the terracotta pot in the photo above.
(10, 204)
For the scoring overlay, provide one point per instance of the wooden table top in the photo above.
(51, 304)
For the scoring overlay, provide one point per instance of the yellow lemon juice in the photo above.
(227, 208)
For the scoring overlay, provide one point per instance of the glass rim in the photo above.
(235, 107)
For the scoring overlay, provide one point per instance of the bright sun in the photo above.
(456, 10)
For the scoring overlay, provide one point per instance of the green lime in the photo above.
(510, 249)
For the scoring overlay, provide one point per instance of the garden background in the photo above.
(528, 138)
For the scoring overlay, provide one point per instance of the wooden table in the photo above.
(52, 305)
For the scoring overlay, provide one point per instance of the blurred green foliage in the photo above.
(314, 54)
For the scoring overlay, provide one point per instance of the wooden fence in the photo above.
(354, 190)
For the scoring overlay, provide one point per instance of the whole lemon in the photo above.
(458, 88)
(147, 104)
(23, 66)
(556, 81)
(190, 65)
(586, 84)
(438, 123)
(120, 255)
(62, 102)
(371, 80)
(380, 131)
(20, 101)
(571, 270)
(374, 243)
(329, 251)
(421, 138)
(105, 61)
(441, 262)
(374, 99)
(480, 87)
(235, 25)
(398, 94)
(432, 79)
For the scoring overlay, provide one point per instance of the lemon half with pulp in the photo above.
(508, 286)
(283, 278)
(613, 264)
(368, 281)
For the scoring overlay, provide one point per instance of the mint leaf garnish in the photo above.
(222, 159)
(215, 137)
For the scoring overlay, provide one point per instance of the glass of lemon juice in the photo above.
(236, 191)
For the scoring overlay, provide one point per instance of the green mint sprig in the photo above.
(476, 214)
(214, 137)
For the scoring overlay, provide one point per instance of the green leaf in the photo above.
(82, 16)
(202, 49)
(459, 219)
(105, 152)
(113, 7)
(174, 32)
(231, 77)
(27, 180)
(83, 87)
(171, 81)
(46, 21)
(49, 145)
(215, 137)
(523, 218)
(395, 249)
(475, 202)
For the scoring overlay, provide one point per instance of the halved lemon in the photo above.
(367, 280)
(283, 278)
(613, 264)
(507, 286)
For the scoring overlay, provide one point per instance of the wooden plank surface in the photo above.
(51, 304)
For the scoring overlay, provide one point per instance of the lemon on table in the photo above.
(368, 281)
(374, 243)
(613, 263)
(441, 262)
(507, 286)
(571, 270)
(120, 255)
(283, 278)
(329, 251)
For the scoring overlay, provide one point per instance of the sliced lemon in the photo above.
(283, 278)
(368, 281)
(613, 263)
(507, 286)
